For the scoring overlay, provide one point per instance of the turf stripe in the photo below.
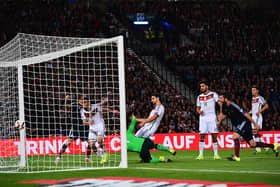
(212, 171)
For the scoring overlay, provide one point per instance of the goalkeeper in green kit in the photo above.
(143, 146)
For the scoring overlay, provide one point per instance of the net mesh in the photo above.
(8, 115)
(92, 72)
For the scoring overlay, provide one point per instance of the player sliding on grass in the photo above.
(241, 121)
(143, 146)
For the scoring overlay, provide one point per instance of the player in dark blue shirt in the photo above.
(78, 129)
(241, 122)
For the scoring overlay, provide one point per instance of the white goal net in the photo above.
(70, 94)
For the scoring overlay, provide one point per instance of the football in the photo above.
(19, 124)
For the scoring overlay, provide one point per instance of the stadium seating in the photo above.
(141, 83)
(232, 46)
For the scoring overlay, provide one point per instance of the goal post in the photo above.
(22, 132)
(44, 71)
(121, 68)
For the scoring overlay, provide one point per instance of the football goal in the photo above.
(42, 79)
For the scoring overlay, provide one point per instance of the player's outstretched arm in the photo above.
(247, 115)
(85, 122)
(147, 120)
(104, 101)
(110, 110)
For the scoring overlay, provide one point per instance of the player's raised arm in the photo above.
(103, 102)
(85, 122)
(67, 101)
(132, 125)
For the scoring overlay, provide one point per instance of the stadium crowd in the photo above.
(180, 112)
(56, 18)
(233, 47)
(218, 31)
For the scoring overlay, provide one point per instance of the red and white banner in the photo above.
(177, 141)
(147, 182)
(190, 141)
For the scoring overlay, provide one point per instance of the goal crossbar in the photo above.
(57, 54)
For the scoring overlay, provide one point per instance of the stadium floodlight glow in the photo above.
(141, 22)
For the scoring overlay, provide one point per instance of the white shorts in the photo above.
(258, 120)
(95, 131)
(208, 126)
(144, 132)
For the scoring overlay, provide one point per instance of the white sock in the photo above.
(100, 151)
(201, 147)
(215, 148)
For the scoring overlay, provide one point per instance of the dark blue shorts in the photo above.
(81, 132)
(245, 130)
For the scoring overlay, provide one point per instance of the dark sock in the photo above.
(257, 135)
(261, 144)
(103, 147)
(64, 147)
(94, 149)
(88, 151)
(236, 147)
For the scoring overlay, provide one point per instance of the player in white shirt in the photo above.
(259, 105)
(91, 114)
(150, 125)
(206, 108)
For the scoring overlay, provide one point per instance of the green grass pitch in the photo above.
(260, 168)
